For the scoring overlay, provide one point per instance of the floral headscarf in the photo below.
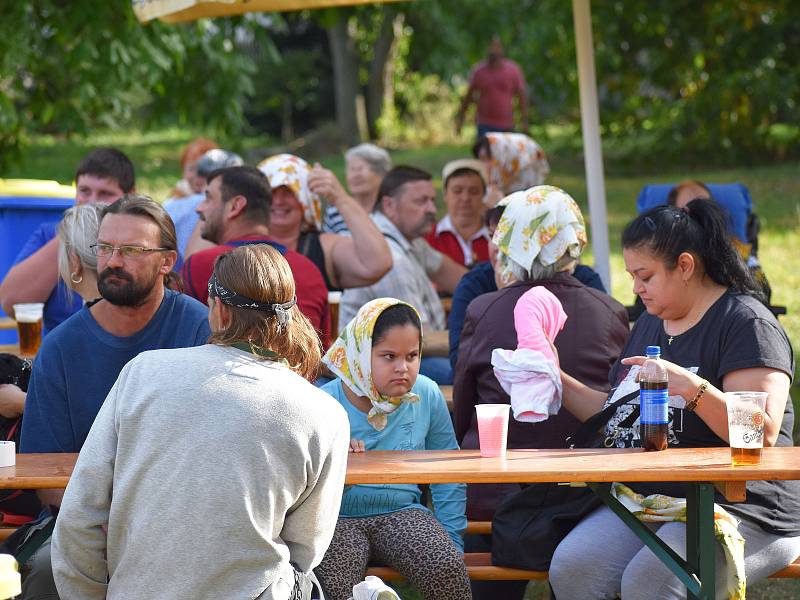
(350, 358)
(292, 171)
(541, 223)
(517, 162)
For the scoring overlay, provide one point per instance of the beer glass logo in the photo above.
(758, 419)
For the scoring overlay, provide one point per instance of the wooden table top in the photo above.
(42, 471)
(38, 471)
(7, 323)
(436, 343)
(558, 466)
(10, 348)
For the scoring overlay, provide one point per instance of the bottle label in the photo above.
(654, 407)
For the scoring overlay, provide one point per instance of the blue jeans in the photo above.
(483, 129)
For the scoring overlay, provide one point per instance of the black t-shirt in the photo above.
(737, 332)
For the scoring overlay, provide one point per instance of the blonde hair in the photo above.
(76, 232)
(259, 272)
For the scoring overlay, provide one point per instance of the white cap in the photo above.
(465, 163)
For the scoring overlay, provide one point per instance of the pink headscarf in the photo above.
(538, 317)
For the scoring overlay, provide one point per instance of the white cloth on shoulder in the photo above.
(373, 588)
(531, 380)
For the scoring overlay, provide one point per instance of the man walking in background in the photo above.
(493, 84)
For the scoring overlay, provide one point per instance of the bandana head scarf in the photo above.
(292, 171)
(517, 162)
(543, 223)
(350, 358)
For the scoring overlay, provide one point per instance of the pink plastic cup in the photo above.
(493, 428)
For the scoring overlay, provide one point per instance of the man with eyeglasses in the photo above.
(80, 360)
(103, 176)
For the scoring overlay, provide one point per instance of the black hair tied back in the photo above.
(701, 229)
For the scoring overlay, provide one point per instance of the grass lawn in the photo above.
(775, 190)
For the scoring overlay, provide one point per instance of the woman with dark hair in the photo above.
(234, 431)
(715, 337)
(391, 407)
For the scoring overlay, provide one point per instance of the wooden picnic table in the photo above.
(700, 468)
(10, 348)
(436, 343)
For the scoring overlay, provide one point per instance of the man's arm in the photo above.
(448, 275)
(308, 528)
(79, 544)
(32, 279)
(470, 97)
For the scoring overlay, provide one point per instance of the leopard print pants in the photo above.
(411, 541)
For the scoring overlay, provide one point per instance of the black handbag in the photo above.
(529, 525)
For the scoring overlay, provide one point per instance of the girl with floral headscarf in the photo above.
(376, 359)
(296, 217)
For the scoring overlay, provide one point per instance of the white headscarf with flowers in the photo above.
(543, 223)
(517, 162)
(292, 171)
(350, 358)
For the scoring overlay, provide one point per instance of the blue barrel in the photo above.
(24, 205)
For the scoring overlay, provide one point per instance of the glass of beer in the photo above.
(746, 426)
(29, 327)
(334, 298)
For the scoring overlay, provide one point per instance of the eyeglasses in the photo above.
(106, 250)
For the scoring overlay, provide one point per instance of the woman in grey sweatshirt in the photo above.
(211, 472)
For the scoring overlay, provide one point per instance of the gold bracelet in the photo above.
(691, 405)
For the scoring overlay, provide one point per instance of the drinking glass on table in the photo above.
(29, 326)
(746, 426)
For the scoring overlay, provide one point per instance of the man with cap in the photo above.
(461, 233)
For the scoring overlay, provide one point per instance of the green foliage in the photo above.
(71, 67)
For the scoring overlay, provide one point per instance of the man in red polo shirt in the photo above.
(493, 84)
(461, 234)
(235, 212)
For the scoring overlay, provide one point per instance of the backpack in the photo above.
(16, 506)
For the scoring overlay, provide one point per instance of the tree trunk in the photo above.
(377, 82)
(345, 75)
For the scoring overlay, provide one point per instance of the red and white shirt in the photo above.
(446, 239)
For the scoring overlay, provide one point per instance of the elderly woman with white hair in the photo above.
(366, 165)
(537, 242)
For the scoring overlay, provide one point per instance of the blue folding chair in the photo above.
(733, 197)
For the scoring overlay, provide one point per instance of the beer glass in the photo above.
(746, 426)
(334, 298)
(29, 327)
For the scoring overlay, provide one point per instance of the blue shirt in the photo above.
(475, 282)
(184, 214)
(62, 302)
(78, 364)
(423, 425)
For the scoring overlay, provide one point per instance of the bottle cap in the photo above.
(653, 351)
